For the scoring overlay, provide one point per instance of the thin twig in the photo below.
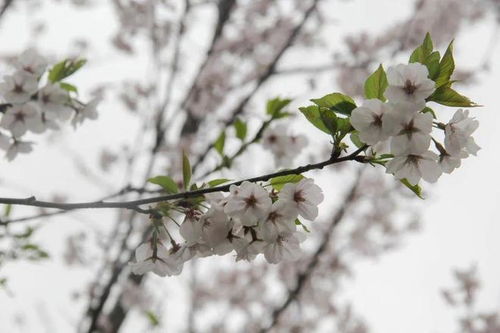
(135, 204)
(263, 78)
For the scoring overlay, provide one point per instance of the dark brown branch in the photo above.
(313, 263)
(135, 204)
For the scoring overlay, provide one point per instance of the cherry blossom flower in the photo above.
(249, 202)
(284, 147)
(190, 230)
(415, 166)
(52, 100)
(216, 226)
(281, 218)
(22, 117)
(247, 243)
(458, 133)
(367, 119)
(412, 134)
(284, 246)
(89, 111)
(157, 259)
(448, 162)
(18, 88)
(18, 147)
(409, 84)
(304, 197)
(31, 62)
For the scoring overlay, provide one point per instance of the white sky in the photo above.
(397, 293)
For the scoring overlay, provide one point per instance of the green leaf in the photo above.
(356, 140)
(68, 87)
(343, 128)
(429, 110)
(414, 188)
(421, 53)
(186, 170)
(336, 102)
(313, 114)
(447, 96)
(241, 129)
(375, 84)
(166, 182)
(217, 182)
(220, 142)
(7, 210)
(275, 106)
(329, 119)
(446, 67)
(65, 68)
(432, 63)
(299, 222)
(278, 182)
(153, 319)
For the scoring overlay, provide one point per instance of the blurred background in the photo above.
(173, 74)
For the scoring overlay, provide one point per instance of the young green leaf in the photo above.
(375, 84)
(421, 53)
(217, 182)
(153, 319)
(429, 110)
(275, 106)
(220, 142)
(186, 170)
(68, 87)
(241, 129)
(356, 140)
(329, 119)
(336, 102)
(166, 182)
(299, 222)
(446, 67)
(278, 182)
(65, 68)
(447, 96)
(414, 188)
(313, 114)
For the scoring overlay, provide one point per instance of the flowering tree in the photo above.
(190, 211)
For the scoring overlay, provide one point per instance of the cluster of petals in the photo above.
(28, 107)
(284, 147)
(249, 221)
(401, 128)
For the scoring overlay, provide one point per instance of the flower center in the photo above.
(273, 216)
(412, 159)
(19, 116)
(409, 87)
(298, 197)
(251, 201)
(18, 89)
(377, 120)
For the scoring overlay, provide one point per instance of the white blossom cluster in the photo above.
(249, 221)
(284, 147)
(30, 103)
(402, 128)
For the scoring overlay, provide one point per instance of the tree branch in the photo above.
(135, 204)
(262, 79)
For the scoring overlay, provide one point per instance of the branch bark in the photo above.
(135, 204)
